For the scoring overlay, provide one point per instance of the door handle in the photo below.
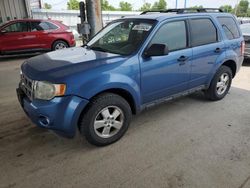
(217, 50)
(182, 60)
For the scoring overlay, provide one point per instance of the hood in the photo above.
(54, 65)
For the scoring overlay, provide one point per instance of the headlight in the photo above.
(47, 91)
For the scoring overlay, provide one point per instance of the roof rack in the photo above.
(185, 10)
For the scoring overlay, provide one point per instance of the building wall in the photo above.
(14, 9)
(71, 17)
(35, 4)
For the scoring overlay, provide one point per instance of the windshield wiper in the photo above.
(87, 46)
(97, 48)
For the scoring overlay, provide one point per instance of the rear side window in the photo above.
(51, 25)
(42, 26)
(173, 35)
(203, 32)
(230, 28)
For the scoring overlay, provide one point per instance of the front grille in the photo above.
(27, 85)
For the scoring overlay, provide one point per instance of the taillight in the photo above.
(242, 48)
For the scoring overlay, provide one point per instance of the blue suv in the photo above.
(131, 64)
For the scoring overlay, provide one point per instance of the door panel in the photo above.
(164, 76)
(16, 37)
(204, 59)
(206, 49)
(42, 33)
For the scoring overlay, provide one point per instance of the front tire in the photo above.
(220, 84)
(106, 119)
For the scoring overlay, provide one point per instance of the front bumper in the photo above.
(60, 114)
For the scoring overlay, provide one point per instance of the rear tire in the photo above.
(59, 45)
(106, 119)
(220, 84)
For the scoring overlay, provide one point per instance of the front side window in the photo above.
(122, 37)
(230, 28)
(17, 27)
(203, 32)
(173, 35)
(42, 26)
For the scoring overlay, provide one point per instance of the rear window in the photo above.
(230, 27)
(203, 32)
(51, 25)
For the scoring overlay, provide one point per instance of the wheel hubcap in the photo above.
(222, 84)
(108, 121)
(60, 46)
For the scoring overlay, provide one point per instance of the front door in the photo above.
(15, 36)
(162, 76)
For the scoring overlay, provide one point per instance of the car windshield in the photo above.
(122, 37)
(245, 28)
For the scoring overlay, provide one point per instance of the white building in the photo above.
(17, 9)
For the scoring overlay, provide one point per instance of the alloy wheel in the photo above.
(108, 121)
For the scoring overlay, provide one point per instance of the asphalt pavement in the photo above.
(189, 142)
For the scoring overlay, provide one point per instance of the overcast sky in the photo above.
(62, 4)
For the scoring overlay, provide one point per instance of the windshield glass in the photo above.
(245, 28)
(122, 37)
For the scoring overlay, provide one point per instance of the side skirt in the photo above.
(13, 52)
(172, 97)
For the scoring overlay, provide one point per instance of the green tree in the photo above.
(107, 6)
(196, 7)
(241, 8)
(47, 6)
(125, 6)
(73, 5)
(160, 5)
(226, 8)
(145, 7)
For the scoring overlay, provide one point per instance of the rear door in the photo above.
(43, 31)
(15, 36)
(233, 42)
(207, 47)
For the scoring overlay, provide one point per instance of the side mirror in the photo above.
(156, 50)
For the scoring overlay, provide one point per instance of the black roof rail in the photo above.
(184, 10)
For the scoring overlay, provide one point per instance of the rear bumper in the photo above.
(60, 114)
(73, 43)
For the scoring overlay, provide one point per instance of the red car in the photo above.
(31, 35)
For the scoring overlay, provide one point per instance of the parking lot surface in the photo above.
(189, 142)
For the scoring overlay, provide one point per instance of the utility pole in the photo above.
(176, 3)
(185, 4)
(84, 27)
(94, 15)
